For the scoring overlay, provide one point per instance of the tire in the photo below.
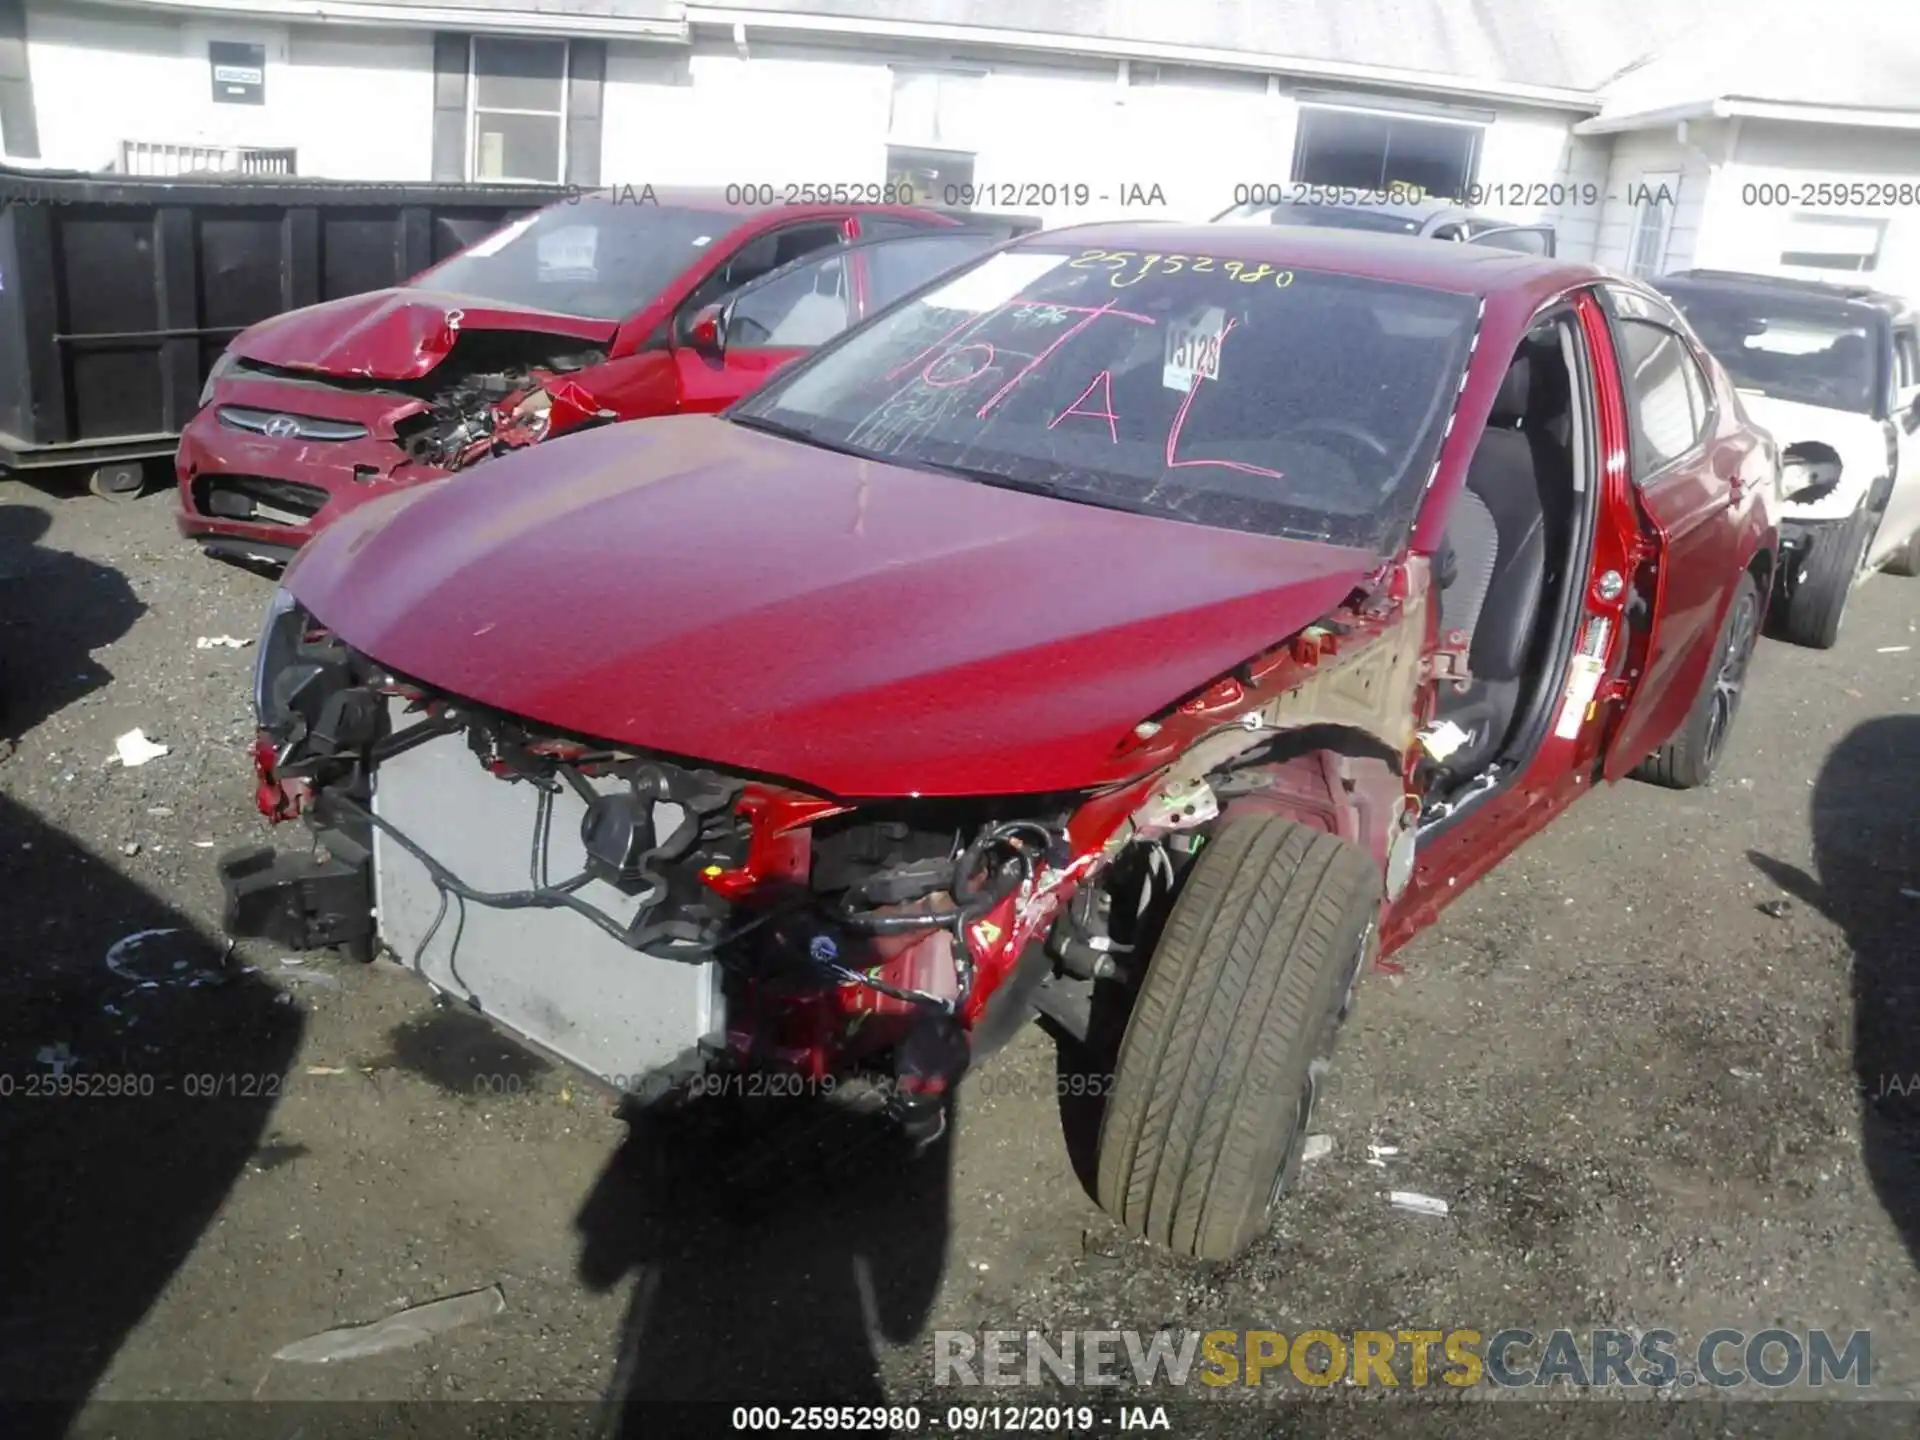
(124, 480)
(1906, 560)
(1231, 1035)
(1691, 756)
(1816, 601)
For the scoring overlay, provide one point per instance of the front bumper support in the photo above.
(302, 902)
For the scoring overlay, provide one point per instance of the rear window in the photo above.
(1805, 349)
(592, 258)
(1334, 217)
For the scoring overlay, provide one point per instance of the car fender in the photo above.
(1859, 441)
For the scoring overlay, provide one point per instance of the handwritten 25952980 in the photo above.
(1118, 262)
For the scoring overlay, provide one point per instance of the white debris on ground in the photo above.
(1420, 1204)
(1317, 1147)
(219, 642)
(399, 1331)
(134, 748)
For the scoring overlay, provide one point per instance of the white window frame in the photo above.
(1660, 236)
(475, 110)
(1876, 225)
(1321, 102)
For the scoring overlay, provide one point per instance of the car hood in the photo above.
(691, 586)
(1791, 421)
(394, 334)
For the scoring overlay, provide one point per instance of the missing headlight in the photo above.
(1809, 472)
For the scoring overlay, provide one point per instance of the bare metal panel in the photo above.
(549, 975)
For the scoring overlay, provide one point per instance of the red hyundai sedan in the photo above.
(609, 306)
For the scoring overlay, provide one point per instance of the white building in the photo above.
(1655, 134)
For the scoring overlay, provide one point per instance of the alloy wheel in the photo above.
(1731, 677)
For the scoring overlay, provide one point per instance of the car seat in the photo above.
(1498, 544)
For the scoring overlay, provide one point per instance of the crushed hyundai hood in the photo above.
(691, 586)
(394, 334)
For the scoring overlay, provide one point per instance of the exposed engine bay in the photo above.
(498, 391)
(675, 916)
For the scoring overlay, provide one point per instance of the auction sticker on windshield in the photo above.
(568, 254)
(994, 282)
(1193, 348)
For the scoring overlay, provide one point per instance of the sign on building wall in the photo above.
(239, 73)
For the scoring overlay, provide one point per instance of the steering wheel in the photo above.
(1344, 430)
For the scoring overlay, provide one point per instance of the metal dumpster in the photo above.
(117, 293)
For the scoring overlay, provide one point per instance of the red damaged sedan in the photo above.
(1150, 627)
(607, 306)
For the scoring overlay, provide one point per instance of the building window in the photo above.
(1370, 150)
(1652, 222)
(932, 132)
(519, 101)
(942, 178)
(1826, 243)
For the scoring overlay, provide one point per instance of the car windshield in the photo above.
(1817, 352)
(1201, 388)
(592, 257)
(1336, 217)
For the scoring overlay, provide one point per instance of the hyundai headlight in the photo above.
(221, 366)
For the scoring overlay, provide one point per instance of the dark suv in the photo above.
(1434, 219)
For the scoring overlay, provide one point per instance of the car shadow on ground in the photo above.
(55, 610)
(1866, 847)
(136, 1085)
(775, 1246)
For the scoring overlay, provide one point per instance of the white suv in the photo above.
(1833, 371)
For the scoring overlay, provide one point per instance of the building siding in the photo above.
(1753, 236)
(354, 103)
(1637, 157)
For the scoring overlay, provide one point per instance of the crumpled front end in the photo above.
(645, 915)
(276, 454)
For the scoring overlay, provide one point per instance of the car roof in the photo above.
(715, 198)
(1740, 281)
(1409, 259)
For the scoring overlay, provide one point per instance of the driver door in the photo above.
(801, 306)
(709, 382)
(1902, 518)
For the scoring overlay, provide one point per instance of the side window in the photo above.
(803, 307)
(886, 227)
(1667, 396)
(1906, 357)
(1526, 239)
(759, 256)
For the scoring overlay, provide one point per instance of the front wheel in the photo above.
(1232, 1035)
(1816, 601)
(1691, 757)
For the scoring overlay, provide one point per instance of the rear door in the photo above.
(1684, 462)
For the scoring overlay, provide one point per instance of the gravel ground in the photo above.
(1643, 1061)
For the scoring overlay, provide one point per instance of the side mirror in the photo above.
(708, 333)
